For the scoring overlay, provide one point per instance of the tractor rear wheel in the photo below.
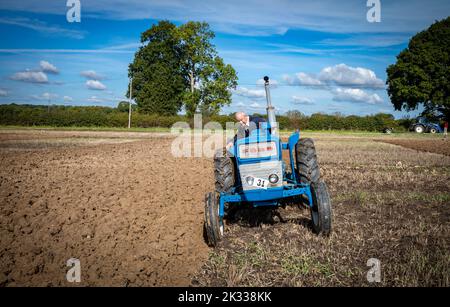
(213, 224)
(306, 159)
(223, 171)
(321, 209)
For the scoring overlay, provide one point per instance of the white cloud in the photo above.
(42, 27)
(295, 49)
(341, 74)
(95, 85)
(257, 106)
(355, 95)
(49, 96)
(3, 93)
(45, 96)
(48, 67)
(302, 100)
(249, 93)
(67, 99)
(92, 75)
(30, 76)
(96, 99)
(344, 75)
(302, 79)
(37, 75)
(253, 106)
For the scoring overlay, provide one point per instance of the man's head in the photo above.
(240, 117)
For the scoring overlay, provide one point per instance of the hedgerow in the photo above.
(94, 116)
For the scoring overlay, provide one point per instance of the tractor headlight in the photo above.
(273, 178)
(249, 180)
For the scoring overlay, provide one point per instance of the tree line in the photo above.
(94, 116)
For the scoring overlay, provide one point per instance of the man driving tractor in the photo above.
(247, 124)
(255, 174)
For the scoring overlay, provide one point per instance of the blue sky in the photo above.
(324, 56)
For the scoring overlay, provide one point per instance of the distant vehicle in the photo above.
(423, 125)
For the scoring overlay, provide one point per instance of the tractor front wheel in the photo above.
(321, 209)
(213, 222)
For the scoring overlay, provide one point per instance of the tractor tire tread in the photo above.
(223, 172)
(211, 221)
(306, 157)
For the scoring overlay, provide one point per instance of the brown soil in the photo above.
(131, 213)
(440, 146)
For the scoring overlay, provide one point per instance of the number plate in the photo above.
(260, 183)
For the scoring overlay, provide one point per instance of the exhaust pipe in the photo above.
(270, 109)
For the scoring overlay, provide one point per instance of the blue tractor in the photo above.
(253, 173)
(422, 125)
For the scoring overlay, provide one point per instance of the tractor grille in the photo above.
(261, 170)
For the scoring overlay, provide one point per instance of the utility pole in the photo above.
(129, 105)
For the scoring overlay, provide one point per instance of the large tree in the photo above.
(210, 79)
(179, 66)
(158, 83)
(421, 74)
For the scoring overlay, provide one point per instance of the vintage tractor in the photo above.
(252, 172)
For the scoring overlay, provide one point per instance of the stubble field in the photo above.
(133, 215)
